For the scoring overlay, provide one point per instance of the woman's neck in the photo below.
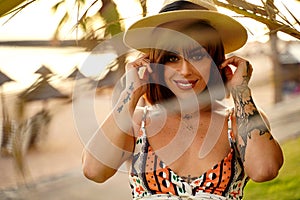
(189, 108)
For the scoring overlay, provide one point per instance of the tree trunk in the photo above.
(276, 68)
(274, 53)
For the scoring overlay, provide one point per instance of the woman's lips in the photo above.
(185, 84)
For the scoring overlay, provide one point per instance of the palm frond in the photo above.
(55, 7)
(83, 19)
(8, 6)
(61, 23)
(111, 16)
(248, 6)
(269, 17)
(14, 12)
(144, 7)
(294, 17)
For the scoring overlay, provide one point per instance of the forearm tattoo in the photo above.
(127, 98)
(249, 120)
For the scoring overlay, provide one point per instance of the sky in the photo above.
(38, 22)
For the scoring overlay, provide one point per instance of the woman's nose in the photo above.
(186, 68)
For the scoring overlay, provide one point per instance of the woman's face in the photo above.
(187, 71)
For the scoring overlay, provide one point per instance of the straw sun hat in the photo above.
(232, 33)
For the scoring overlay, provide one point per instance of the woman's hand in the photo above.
(137, 78)
(137, 73)
(241, 75)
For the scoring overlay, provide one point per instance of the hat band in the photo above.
(181, 5)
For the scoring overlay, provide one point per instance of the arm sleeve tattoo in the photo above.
(249, 120)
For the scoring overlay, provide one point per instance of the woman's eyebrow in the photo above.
(196, 50)
(172, 51)
(192, 51)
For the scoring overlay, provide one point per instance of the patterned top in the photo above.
(151, 178)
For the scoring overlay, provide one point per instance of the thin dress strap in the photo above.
(144, 117)
(141, 135)
(231, 136)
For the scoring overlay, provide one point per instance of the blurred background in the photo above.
(44, 48)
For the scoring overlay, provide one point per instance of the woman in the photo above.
(185, 144)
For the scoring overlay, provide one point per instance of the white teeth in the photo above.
(185, 84)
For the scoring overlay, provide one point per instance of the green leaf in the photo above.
(110, 15)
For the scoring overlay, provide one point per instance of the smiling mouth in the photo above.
(185, 84)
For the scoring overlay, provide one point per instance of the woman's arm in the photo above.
(261, 154)
(114, 142)
(111, 145)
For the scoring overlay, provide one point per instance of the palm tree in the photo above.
(270, 15)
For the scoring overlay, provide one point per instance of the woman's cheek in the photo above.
(203, 72)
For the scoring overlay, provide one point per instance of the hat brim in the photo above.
(232, 33)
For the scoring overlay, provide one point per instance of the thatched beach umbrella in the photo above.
(44, 71)
(42, 90)
(30, 130)
(4, 78)
(76, 74)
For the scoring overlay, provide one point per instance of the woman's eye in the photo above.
(197, 57)
(172, 58)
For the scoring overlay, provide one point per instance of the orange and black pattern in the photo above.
(150, 176)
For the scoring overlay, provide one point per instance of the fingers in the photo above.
(142, 62)
(241, 64)
(228, 73)
(249, 68)
(234, 60)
